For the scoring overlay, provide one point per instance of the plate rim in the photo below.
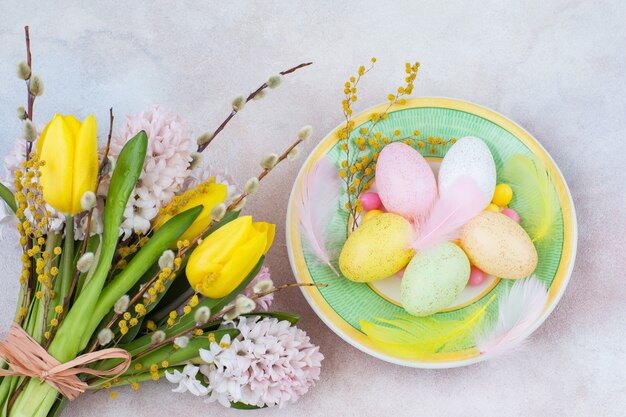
(454, 104)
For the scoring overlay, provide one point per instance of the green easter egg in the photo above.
(434, 279)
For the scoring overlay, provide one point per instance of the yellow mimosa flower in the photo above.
(70, 151)
(208, 194)
(226, 257)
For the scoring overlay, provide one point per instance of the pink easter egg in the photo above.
(370, 201)
(405, 182)
(477, 276)
(509, 212)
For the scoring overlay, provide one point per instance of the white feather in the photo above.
(518, 309)
(321, 188)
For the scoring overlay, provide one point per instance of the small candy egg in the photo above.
(370, 201)
(477, 276)
(371, 214)
(509, 212)
(502, 195)
(493, 207)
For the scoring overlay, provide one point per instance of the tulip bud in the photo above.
(121, 305)
(274, 81)
(218, 212)
(29, 131)
(157, 337)
(259, 95)
(105, 336)
(305, 133)
(293, 154)
(202, 315)
(21, 113)
(238, 103)
(181, 341)
(167, 259)
(252, 186)
(263, 286)
(196, 158)
(204, 138)
(23, 70)
(269, 161)
(244, 305)
(36, 85)
(88, 200)
(85, 262)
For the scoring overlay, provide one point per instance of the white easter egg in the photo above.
(470, 158)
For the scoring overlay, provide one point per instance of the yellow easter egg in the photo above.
(502, 195)
(371, 214)
(499, 246)
(377, 249)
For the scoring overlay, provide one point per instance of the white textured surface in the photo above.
(555, 67)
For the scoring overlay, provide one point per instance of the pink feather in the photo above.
(462, 202)
(518, 309)
(321, 188)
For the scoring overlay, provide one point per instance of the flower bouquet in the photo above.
(137, 265)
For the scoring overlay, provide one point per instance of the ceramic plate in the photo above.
(343, 303)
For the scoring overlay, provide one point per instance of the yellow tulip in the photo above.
(227, 256)
(208, 194)
(69, 149)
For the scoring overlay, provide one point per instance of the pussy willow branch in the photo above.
(30, 100)
(195, 240)
(68, 297)
(221, 313)
(251, 96)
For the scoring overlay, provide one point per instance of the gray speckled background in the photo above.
(555, 67)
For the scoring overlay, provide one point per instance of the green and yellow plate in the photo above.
(343, 304)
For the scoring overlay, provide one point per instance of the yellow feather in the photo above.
(409, 336)
(535, 197)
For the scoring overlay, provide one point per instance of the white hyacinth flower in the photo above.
(187, 381)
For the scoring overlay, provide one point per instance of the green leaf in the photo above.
(8, 197)
(244, 406)
(143, 260)
(59, 407)
(129, 165)
(280, 315)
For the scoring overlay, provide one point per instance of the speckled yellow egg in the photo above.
(499, 246)
(377, 249)
(371, 214)
(434, 279)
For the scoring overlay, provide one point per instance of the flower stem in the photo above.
(67, 268)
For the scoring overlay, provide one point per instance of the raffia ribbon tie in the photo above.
(27, 358)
